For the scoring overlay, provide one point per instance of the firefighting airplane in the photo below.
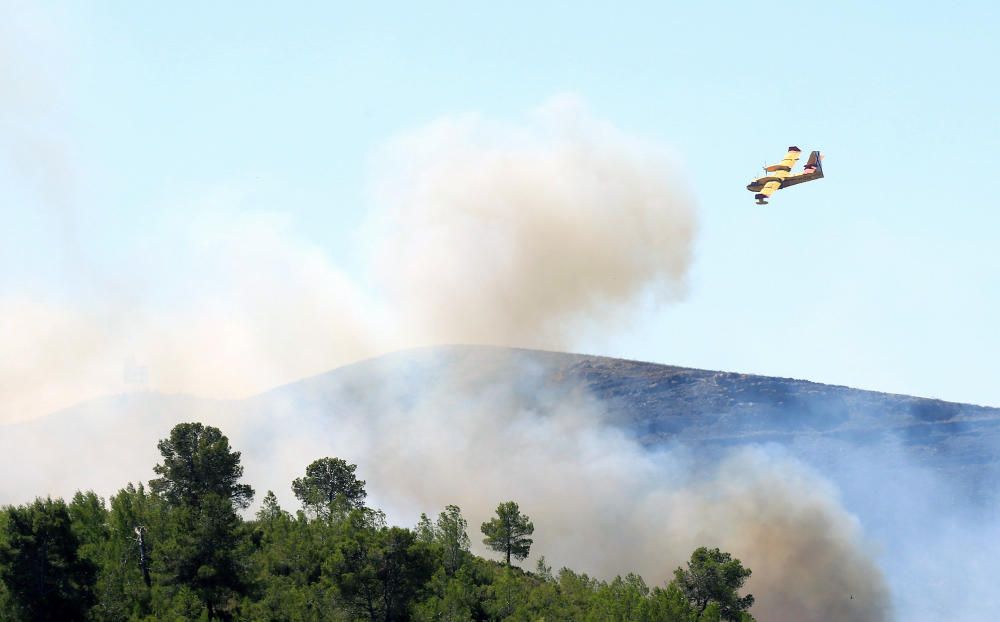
(780, 175)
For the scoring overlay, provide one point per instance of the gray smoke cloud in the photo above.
(526, 233)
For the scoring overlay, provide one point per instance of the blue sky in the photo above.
(885, 275)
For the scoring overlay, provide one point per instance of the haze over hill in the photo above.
(622, 464)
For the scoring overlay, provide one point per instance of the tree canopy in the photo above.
(198, 550)
(329, 484)
(197, 461)
(509, 532)
(714, 577)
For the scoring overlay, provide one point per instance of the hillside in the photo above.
(662, 403)
(656, 404)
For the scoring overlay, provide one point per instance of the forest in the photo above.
(185, 547)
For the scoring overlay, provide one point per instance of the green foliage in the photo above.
(200, 550)
(270, 511)
(622, 599)
(286, 565)
(6, 604)
(576, 593)
(378, 571)
(134, 524)
(670, 605)
(448, 537)
(197, 462)
(199, 543)
(425, 531)
(98, 530)
(89, 521)
(329, 488)
(41, 567)
(508, 593)
(179, 605)
(543, 570)
(452, 534)
(508, 532)
(714, 577)
(181, 551)
(452, 599)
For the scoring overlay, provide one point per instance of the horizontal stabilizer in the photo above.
(814, 164)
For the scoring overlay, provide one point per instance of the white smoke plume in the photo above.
(524, 233)
(508, 233)
(259, 308)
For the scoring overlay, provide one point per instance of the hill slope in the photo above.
(112, 440)
(661, 403)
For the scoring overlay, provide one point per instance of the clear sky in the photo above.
(122, 118)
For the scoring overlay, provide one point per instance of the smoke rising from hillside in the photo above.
(600, 502)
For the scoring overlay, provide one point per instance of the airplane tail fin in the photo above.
(812, 170)
(814, 165)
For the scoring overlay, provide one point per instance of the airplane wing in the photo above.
(770, 188)
(783, 168)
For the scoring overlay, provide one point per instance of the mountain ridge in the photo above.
(653, 403)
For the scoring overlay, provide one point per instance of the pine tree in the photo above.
(508, 532)
(330, 487)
